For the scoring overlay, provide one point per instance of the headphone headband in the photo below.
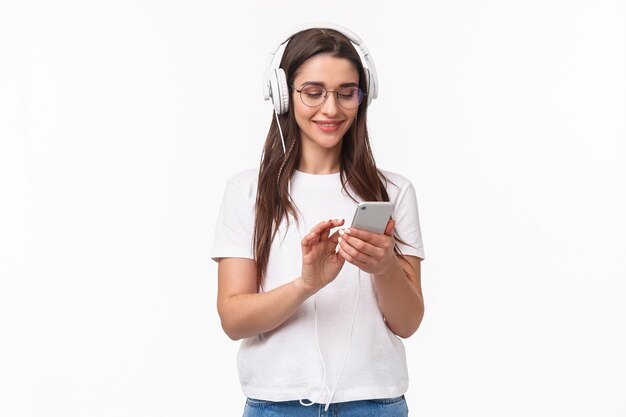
(317, 25)
(368, 63)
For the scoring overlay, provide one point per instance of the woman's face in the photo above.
(324, 126)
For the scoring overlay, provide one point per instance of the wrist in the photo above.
(303, 289)
(390, 271)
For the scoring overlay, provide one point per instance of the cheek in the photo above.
(352, 120)
(300, 120)
(302, 113)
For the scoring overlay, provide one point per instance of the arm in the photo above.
(400, 296)
(244, 312)
(396, 278)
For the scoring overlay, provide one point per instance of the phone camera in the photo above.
(363, 208)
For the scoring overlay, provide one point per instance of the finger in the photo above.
(323, 228)
(362, 246)
(310, 238)
(326, 232)
(357, 248)
(326, 225)
(351, 255)
(318, 231)
(373, 238)
(338, 222)
(319, 227)
(390, 225)
(335, 236)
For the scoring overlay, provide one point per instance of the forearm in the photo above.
(247, 315)
(400, 303)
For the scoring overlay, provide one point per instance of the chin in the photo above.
(328, 143)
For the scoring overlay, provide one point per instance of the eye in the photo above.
(313, 92)
(348, 93)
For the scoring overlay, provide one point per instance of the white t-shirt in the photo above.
(279, 365)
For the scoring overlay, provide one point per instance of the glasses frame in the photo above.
(326, 95)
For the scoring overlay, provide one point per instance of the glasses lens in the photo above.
(313, 95)
(350, 97)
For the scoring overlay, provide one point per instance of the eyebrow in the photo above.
(324, 85)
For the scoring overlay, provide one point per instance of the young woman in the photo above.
(320, 307)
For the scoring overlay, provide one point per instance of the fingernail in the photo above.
(348, 231)
(341, 232)
(339, 240)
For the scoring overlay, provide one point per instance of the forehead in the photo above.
(329, 70)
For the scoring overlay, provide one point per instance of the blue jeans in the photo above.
(386, 407)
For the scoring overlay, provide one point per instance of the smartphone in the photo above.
(372, 216)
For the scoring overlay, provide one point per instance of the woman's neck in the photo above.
(319, 169)
(320, 161)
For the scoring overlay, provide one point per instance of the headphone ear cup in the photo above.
(279, 91)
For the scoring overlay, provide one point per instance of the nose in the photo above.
(330, 106)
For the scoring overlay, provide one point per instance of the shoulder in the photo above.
(246, 181)
(395, 183)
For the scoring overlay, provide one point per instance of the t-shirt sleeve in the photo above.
(407, 220)
(233, 236)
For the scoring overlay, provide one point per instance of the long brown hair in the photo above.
(357, 165)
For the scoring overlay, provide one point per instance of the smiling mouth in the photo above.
(328, 126)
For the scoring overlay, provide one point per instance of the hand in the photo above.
(320, 263)
(371, 252)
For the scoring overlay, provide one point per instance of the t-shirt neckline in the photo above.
(316, 176)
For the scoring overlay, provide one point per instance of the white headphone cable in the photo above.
(280, 130)
(323, 386)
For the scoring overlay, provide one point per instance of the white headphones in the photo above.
(275, 86)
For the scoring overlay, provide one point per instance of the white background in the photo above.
(120, 122)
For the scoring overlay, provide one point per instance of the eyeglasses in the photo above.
(313, 95)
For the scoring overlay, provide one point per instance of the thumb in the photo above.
(390, 225)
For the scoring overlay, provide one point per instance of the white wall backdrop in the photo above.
(120, 122)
